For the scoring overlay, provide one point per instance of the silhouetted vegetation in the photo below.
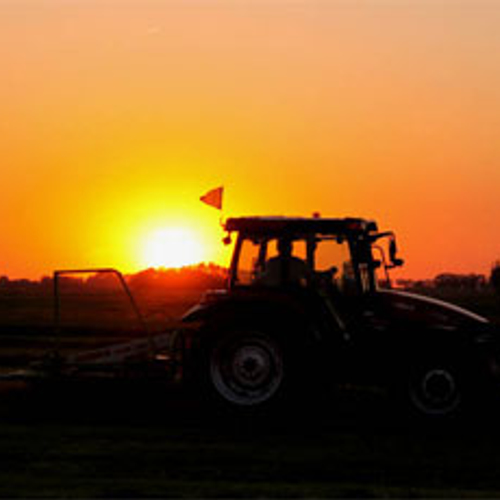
(199, 277)
(443, 281)
(495, 277)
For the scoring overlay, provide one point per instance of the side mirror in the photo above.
(393, 252)
(393, 249)
(227, 240)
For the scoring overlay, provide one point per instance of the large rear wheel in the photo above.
(246, 368)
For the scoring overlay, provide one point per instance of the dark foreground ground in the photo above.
(127, 442)
(136, 441)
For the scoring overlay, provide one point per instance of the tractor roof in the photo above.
(294, 225)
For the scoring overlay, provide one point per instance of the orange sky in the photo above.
(117, 115)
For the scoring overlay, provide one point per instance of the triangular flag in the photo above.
(213, 197)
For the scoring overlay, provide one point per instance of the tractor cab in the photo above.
(283, 252)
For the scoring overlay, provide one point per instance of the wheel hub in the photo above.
(251, 366)
(438, 386)
(436, 392)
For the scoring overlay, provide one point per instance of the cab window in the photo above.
(260, 263)
(332, 258)
(250, 262)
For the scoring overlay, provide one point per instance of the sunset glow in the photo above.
(118, 115)
(172, 247)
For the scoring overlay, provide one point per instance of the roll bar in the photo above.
(106, 270)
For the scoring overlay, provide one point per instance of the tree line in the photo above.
(457, 281)
(197, 277)
(206, 276)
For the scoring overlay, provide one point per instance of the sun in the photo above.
(172, 247)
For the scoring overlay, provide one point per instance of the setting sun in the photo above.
(118, 115)
(172, 247)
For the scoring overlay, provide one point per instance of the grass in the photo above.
(193, 457)
(87, 321)
(101, 441)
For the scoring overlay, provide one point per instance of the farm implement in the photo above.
(146, 354)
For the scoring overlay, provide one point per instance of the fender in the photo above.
(439, 312)
(271, 307)
(261, 310)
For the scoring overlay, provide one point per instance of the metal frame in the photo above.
(106, 270)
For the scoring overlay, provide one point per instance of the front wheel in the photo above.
(437, 389)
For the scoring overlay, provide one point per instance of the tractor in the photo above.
(308, 309)
(309, 306)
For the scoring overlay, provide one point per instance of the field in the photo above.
(129, 440)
